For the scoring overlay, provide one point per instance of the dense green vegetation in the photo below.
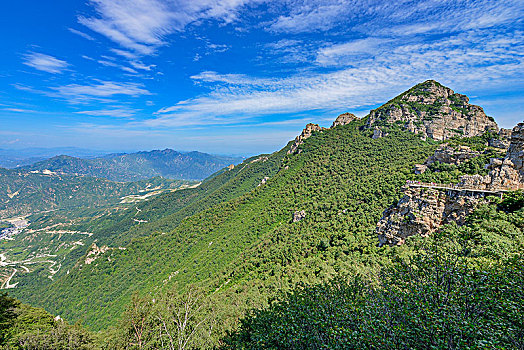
(166, 212)
(141, 165)
(26, 327)
(462, 289)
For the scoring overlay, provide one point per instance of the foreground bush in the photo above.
(435, 300)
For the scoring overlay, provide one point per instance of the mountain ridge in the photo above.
(141, 165)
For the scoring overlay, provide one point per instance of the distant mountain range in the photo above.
(12, 158)
(137, 166)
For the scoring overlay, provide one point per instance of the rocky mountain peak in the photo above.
(343, 119)
(432, 110)
(307, 132)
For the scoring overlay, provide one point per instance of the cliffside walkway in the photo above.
(452, 187)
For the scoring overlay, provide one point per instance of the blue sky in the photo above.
(240, 76)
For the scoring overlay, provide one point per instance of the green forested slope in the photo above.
(26, 327)
(463, 288)
(247, 247)
(165, 212)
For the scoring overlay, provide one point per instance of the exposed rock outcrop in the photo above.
(449, 155)
(507, 173)
(343, 119)
(307, 132)
(378, 133)
(503, 140)
(452, 155)
(516, 148)
(420, 168)
(434, 111)
(94, 252)
(263, 182)
(299, 215)
(423, 211)
(260, 159)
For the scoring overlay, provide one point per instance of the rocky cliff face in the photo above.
(507, 173)
(307, 132)
(343, 119)
(452, 155)
(503, 140)
(421, 212)
(434, 111)
(516, 148)
(449, 155)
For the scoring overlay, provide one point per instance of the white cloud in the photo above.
(291, 50)
(107, 63)
(124, 53)
(110, 62)
(140, 65)
(44, 62)
(128, 69)
(9, 142)
(141, 26)
(82, 34)
(18, 110)
(310, 16)
(332, 54)
(218, 47)
(75, 93)
(232, 79)
(117, 112)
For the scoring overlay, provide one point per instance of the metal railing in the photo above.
(456, 187)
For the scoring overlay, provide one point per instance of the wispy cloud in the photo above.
(110, 62)
(124, 53)
(140, 65)
(350, 51)
(117, 113)
(291, 51)
(307, 16)
(96, 91)
(44, 62)
(402, 17)
(142, 26)
(18, 110)
(76, 93)
(10, 142)
(82, 34)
